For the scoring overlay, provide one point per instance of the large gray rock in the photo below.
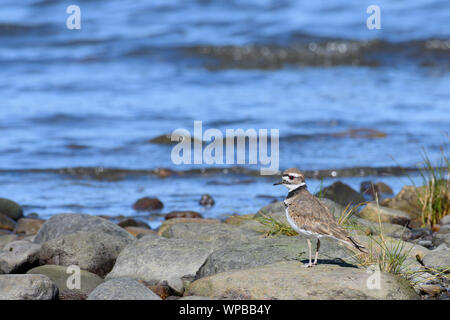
(122, 289)
(26, 287)
(155, 259)
(217, 234)
(437, 259)
(6, 223)
(289, 280)
(65, 224)
(95, 252)
(271, 250)
(11, 209)
(19, 256)
(62, 276)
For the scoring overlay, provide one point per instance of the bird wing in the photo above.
(313, 216)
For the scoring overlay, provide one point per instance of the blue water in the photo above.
(140, 69)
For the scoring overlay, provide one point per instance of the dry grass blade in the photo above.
(275, 227)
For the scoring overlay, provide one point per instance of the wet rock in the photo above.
(28, 226)
(437, 259)
(27, 287)
(407, 200)
(359, 133)
(148, 204)
(7, 238)
(155, 259)
(137, 232)
(206, 200)
(19, 256)
(164, 172)
(342, 194)
(374, 212)
(122, 289)
(130, 222)
(95, 252)
(63, 277)
(65, 224)
(445, 220)
(272, 250)
(10, 209)
(6, 223)
(288, 280)
(183, 214)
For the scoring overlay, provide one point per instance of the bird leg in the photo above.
(317, 251)
(310, 262)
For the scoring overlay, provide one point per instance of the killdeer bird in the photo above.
(308, 216)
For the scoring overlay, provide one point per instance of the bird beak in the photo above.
(277, 183)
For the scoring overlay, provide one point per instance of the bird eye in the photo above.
(291, 178)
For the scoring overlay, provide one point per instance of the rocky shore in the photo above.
(190, 257)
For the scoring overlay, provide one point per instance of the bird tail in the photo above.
(358, 246)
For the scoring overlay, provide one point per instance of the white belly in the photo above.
(297, 229)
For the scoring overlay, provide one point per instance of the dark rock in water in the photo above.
(65, 224)
(6, 223)
(183, 214)
(27, 287)
(206, 200)
(19, 256)
(130, 222)
(28, 226)
(122, 289)
(164, 172)
(374, 190)
(343, 194)
(148, 204)
(95, 252)
(10, 209)
(59, 275)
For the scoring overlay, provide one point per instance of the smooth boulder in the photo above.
(122, 289)
(95, 252)
(65, 224)
(289, 280)
(155, 259)
(343, 194)
(272, 250)
(10, 209)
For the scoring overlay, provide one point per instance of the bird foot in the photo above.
(308, 265)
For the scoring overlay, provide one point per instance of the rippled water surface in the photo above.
(341, 95)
